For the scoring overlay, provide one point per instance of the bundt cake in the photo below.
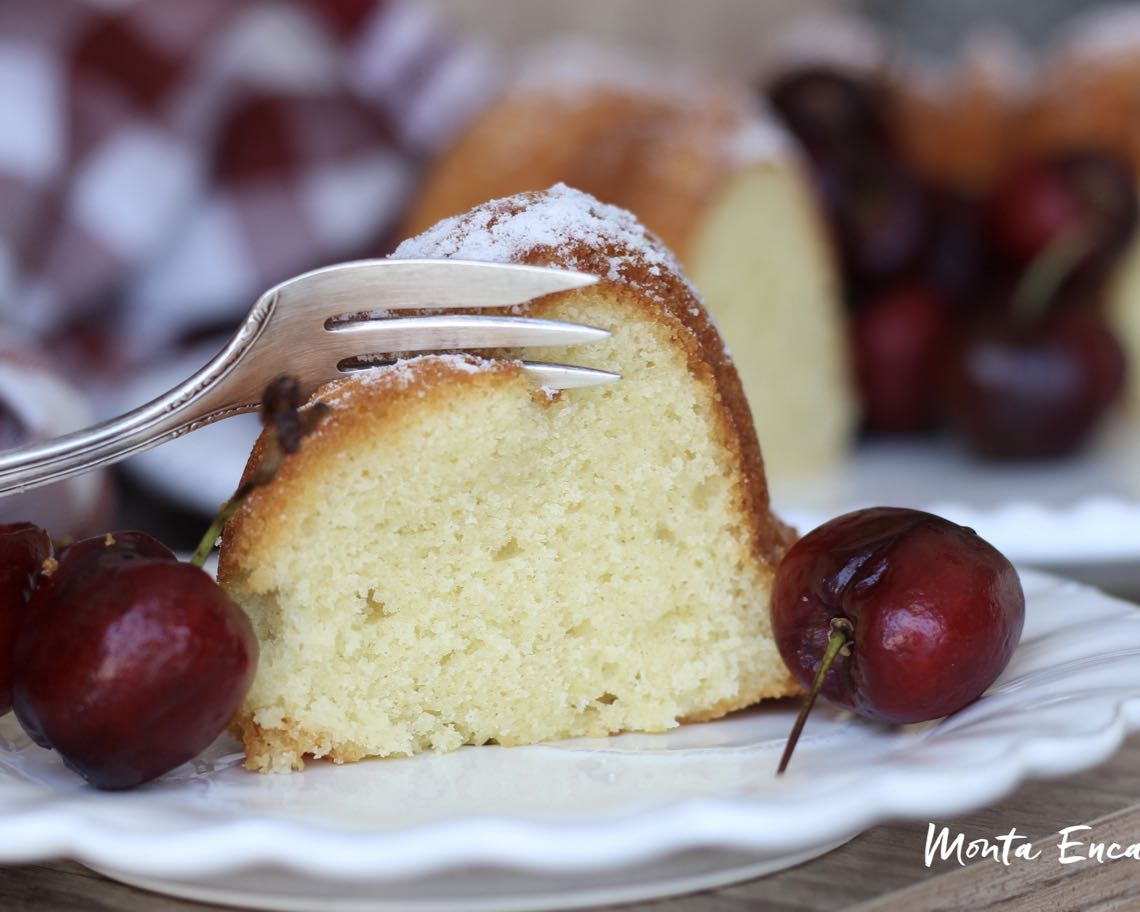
(455, 557)
(952, 117)
(702, 167)
(1087, 90)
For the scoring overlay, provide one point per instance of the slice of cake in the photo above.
(457, 558)
(710, 173)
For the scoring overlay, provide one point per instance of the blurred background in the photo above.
(970, 169)
(736, 37)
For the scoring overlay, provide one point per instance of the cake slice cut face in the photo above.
(455, 557)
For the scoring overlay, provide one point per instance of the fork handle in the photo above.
(199, 401)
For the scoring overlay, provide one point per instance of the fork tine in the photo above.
(565, 376)
(551, 376)
(410, 334)
(429, 284)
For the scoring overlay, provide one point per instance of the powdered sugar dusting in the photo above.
(562, 220)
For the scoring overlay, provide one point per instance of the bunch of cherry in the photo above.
(982, 315)
(122, 658)
(125, 660)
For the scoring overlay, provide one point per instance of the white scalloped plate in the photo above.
(590, 821)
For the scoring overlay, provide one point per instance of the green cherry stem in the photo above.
(839, 642)
(206, 545)
(1047, 271)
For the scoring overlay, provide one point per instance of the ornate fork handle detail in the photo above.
(203, 399)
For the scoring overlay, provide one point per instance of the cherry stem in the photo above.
(206, 545)
(840, 641)
(280, 414)
(1046, 271)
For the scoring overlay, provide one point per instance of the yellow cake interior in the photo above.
(474, 562)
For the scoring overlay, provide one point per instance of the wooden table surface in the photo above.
(881, 870)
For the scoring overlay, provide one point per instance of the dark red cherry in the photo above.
(1031, 207)
(1017, 391)
(76, 564)
(23, 550)
(113, 546)
(899, 337)
(955, 260)
(1087, 195)
(878, 211)
(828, 110)
(928, 613)
(90, 555)
(132, 666)
(1107, 188)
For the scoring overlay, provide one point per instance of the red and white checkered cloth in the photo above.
(164, 161)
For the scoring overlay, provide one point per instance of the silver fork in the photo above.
(288, 330)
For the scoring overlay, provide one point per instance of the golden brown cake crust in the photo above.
(635, 265)
(1083, 93)
(1089, 90)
